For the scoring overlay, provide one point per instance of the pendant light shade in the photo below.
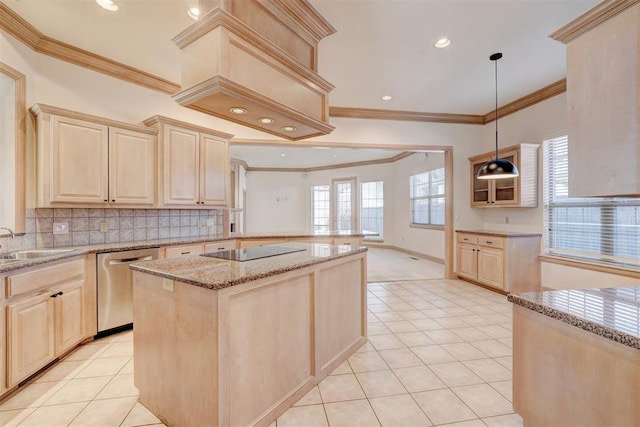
(497, 168)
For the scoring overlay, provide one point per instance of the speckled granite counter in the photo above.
(213, 273)
(156, 243)
(499, 233)
(613, 313)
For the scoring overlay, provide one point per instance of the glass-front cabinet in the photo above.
(519, 192)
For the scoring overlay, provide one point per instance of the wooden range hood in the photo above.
(259, 55)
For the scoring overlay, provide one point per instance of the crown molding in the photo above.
(414, 116)
(591, 19)
(527, 101)
(15, 25)
(392, 159)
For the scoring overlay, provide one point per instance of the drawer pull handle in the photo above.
(465, 239)
(57, 294)
(489, 242)
(185, 253)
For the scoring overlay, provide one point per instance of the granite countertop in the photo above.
(214, 273)
(156, 243)
(613, 313)
(499, 233)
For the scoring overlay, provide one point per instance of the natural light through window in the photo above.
(601, 229)
(372, 208)
(321, 205)
(427, 198)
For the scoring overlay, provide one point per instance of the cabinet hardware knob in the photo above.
(113, 200)
(105, 200)
(54, 295)
(60, 293)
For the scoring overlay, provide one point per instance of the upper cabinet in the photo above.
(194, 164)
(519, 192)
(90, 161)
(603, 97)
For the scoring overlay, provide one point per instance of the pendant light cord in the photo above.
(496, 74)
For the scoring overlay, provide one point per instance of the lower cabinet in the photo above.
(45, 317)
(505, 261)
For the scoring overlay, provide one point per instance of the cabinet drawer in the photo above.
(471, 239)
(224, 245)
(178, 251)
(44, 277)
(491, 241)
(352, 241)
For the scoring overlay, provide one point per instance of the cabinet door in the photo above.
(467, 261)
(214, 170)
(69, 316)
(131, 167)
(480, 188)
(181, 166)
(79, 171)
(491, 267)
(30, 336)
(505, 191)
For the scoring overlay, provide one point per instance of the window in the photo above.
(372, 208)
(427, 198)
(320, 209)
(598, 229)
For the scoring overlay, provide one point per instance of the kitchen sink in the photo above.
(33, 254)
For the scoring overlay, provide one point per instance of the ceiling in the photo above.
(381, 46)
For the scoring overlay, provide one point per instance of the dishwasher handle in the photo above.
(130, 260)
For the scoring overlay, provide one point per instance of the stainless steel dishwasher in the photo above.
(115, 288)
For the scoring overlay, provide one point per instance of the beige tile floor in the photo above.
(439, 353)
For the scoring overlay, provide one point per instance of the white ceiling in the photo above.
(381, 47)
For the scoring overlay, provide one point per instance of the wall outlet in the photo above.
(104, 226)
(168, 285)
(506, 220)
(211, 222)
(60, 228)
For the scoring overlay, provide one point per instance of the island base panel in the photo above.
(563, 375)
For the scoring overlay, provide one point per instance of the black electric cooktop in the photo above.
(249, 254)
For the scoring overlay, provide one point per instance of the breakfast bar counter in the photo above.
(576, 357)
(224, 342)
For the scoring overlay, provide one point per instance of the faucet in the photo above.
(9, 230)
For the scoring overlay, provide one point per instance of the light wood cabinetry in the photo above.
(247, 243)
(45, 315)
(193, 166)
(603, 97)
(224, 245)
(519, 192)
(185, 250)
(3, 349)
(508, 262)
(85, 160)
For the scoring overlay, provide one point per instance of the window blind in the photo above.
(605, 230)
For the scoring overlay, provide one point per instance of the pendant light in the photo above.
(497, 168)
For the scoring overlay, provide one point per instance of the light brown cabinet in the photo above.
(89, 161)
(507, 261)
(194, 164)
(225, 245)
(603, 100)
(519, 192)
(45, 317)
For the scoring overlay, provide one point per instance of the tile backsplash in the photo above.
(118, 225)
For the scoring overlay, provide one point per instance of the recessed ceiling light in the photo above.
(266, 120)
(238, 110)
(288, 128)
(108, 5)
(442, 43)
(283, 155)
(334, 156)
(194, 13)
(386, 97)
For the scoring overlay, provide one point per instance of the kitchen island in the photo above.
(221, 342)
(576, 357)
